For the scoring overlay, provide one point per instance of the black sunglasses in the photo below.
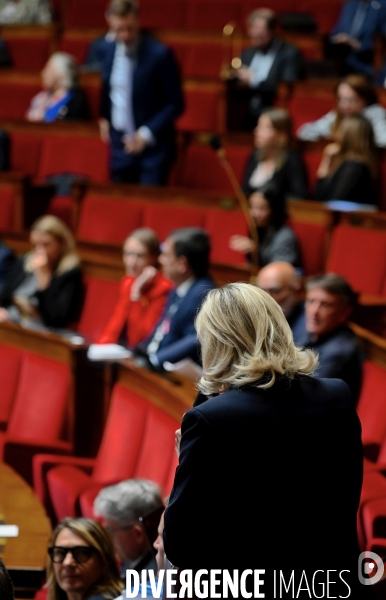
(81, 554)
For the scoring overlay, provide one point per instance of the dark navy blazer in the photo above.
(269, 479)
(374, 22)
(157, 93)
(181, 340)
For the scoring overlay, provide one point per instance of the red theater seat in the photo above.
(9, 207)
(86, 13)
(138, 441)
(15, 96)
(163, 219)
(359, 255)
(29, 48)
(69, 154)
(25, 152)
(308, 108)
(221, 225)
(105, 219)
(199, 59)
(172, 15)
(100, 299)
(312, 243)
(203, 111)
(10, 360)
(372, 408)
(213, 15)
(39, 417)
(312, 161)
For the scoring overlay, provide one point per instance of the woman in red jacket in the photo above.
(143, 291)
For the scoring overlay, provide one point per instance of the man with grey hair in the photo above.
(131, 513)
(329, 304)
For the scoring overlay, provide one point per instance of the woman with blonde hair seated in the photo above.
(45, 284)
(270, 462)
(349, 167)
(81, 564)
(143, 292)
(61, 98)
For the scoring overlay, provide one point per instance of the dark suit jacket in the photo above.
(59, 304)
(339, 356)
(181, 340)
(269, 479)
(291, 178)
(351, 181)
(374, 22)
(286, 66)
(95, 54)
(157, 93)
(7, 260)
(77, 108)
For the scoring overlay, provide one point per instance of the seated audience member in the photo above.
(329, 303)
(354, 96)
(281, 281)
(349, 166)
(131, 511)
(82, 563)
(45, 285)
(185, 261)
(25, 12)
(7, 260)
(351, 40)
(143, 293)
(6, 587)
(141, 99)
(61, 98)
(266, 63)
(274, 158)
(277, 241)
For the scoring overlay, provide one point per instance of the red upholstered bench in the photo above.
(166, 217)
(15, 96)
(312, 243)
(359, 255)
(85, 13)
(25, 152)
(108, 220)
(221, 225)
(29, 47)
(101, 296)
(10, 361)
(39, 417)
(204, 107)
(138, 441)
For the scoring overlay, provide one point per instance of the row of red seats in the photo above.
(206, 15)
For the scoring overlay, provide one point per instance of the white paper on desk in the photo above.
(8, 531)
(107, 352)
(186, 367)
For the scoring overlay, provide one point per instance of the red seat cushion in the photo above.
(360, 256)
(28, 52)
(372, 404)
(312, 243)
(41, 400)
(172, 15)
(15, 97)
(25, 153)
(212, 15)
(10, 360)
(202, 109)
(167, 217)
(65, 484)
(306, 109)
(221, 225)
(8, 203)
(100, 298)
(105, 219)
(199, 60)
(86, 13)
(82, 156)
(61, 207)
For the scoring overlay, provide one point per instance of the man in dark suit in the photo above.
(351, 41)
(140, 100)
(185, 260)
(266, 63)
(329, 303)
(281, 281)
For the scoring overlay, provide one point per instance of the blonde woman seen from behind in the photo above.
(270, 457)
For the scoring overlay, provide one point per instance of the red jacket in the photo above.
(139, 316)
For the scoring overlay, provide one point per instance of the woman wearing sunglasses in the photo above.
(81, 563)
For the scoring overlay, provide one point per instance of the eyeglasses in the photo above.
(81, 554)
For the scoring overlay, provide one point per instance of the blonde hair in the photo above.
(355, 137)
(67, 68)
(245, 338)
(55, 227)
(109, 583)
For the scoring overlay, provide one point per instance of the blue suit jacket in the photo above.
(181, 340)
(157, 93)
(374, 22)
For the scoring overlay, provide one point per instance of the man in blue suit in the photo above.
(351, 40)
(185, 260)
(140, 100)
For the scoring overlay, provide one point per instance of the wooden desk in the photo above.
(25, 555)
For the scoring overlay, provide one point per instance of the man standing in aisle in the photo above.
(141, 98)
